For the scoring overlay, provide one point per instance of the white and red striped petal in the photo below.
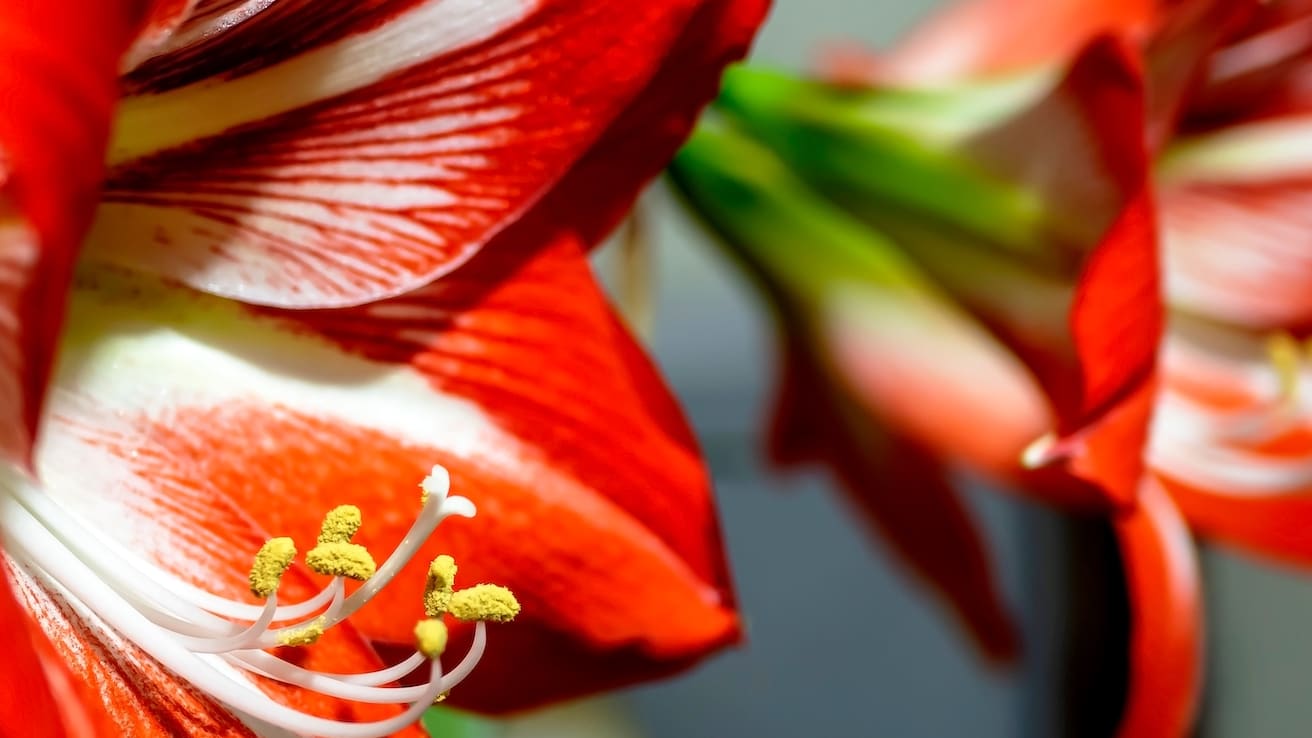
(1239, 252)
(513, 374)
(1232, 442)
(379, 159)
(138, 695)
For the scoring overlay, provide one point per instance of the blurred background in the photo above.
(840, 642)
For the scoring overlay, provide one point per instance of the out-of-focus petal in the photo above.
(58, 83)
(981, 37)
(1052, 191)
(384, 156)
(1238, 252)
(1273, 525)
(594, 504)
(1116, 314)
(1166, 612)
(901, 489)
(1232, 442)
(877, 376)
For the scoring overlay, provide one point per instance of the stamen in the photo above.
(485, 602)
(341, 560)
(440, 586)
(304, 635)
(430, 637)
(271, 562)
(186, 629)
(340, 524)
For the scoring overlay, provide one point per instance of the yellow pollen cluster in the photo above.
(430, 637)
(481, 602)
(271, 562)
(341, 560)
(340, 524)
(335, 555)
(440, 586)
(303, 636)
(490, 602)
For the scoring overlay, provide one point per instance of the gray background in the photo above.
(840, 642)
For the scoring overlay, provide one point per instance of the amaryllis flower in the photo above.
(334, 245)
(958, 233)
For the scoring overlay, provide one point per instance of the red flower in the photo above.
(337, 244)
(984, 267)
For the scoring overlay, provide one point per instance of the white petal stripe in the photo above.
(152, 123)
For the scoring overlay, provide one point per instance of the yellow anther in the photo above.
(430, 637)
(340, 524)
(303, 636)
(271, 561)
(341, 560)
(1286, 356)
(485, 602)
(441, 583)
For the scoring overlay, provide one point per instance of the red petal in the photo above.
(1261, 69)
(1166, 629)
(1097, 181)
(981, 37)
(1274, 525)
(1110, 453)
(26, 697)
(902, 492)
(1117, 317)
(384, 188)
(602, 186)
(141, 698)
(58, 67)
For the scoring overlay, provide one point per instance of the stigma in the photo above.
(215, 643)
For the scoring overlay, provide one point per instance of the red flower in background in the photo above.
(962, 240)
(334, 244)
